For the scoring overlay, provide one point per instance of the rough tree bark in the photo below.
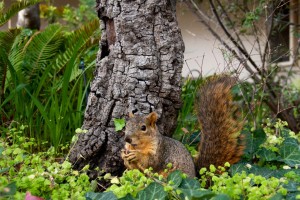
(138, 69)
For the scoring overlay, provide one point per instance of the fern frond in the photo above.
(44, 46)
(76, 43)
(32, 51)
(6, 41)
(14, 9)
(7, 38)
(86, 32)
(16, 55)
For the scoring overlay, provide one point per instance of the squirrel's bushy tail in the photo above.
(220, 136)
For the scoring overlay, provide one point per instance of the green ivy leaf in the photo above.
(119, 124)
(3, 170)
(257, 170)
(127, 197)
(9, 190)
(267, 154)
(253, 141)
(238, 168)
(285, 132)
(290, 152)
(100, 196)
(175, 177)
(189, 183)
(292, 186)
(263, 171)
(277, 197)
(222, 197)
(1, 150)
(292, 196)
(236, 90)
(197, 194)
(153, 191)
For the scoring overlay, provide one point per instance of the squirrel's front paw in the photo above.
(123, 153)
(128, 155)
(131, 156)
(128, 158)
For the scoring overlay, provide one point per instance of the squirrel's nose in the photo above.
(128, 139)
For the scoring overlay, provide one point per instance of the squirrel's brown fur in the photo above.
(220, 140)
(146, 147)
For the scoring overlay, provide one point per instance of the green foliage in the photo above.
(250, 97)
(119, 124)
(42, 84)
(253, 16)
(242, 16)
(269, 168)
(7, 190)
(152, 191)
(100, 196)
(84, 12)
(71, 17)
(131, 183)
(40, 174)
(187, 120)
(273, 158)
(275, 144)
(243, 185)
(260, 178)
(136, 185)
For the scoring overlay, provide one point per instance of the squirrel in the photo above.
(220, 139)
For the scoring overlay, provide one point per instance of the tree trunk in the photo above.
(30, 17)
(138, 70)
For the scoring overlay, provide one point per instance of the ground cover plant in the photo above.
(41, 173)
(269, 169)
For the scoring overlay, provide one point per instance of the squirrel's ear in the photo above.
(130, 114)
(152, 118)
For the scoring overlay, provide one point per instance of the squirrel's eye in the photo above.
(143, 128)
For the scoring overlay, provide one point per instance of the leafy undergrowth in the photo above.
(41, 174)
(269, 170)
